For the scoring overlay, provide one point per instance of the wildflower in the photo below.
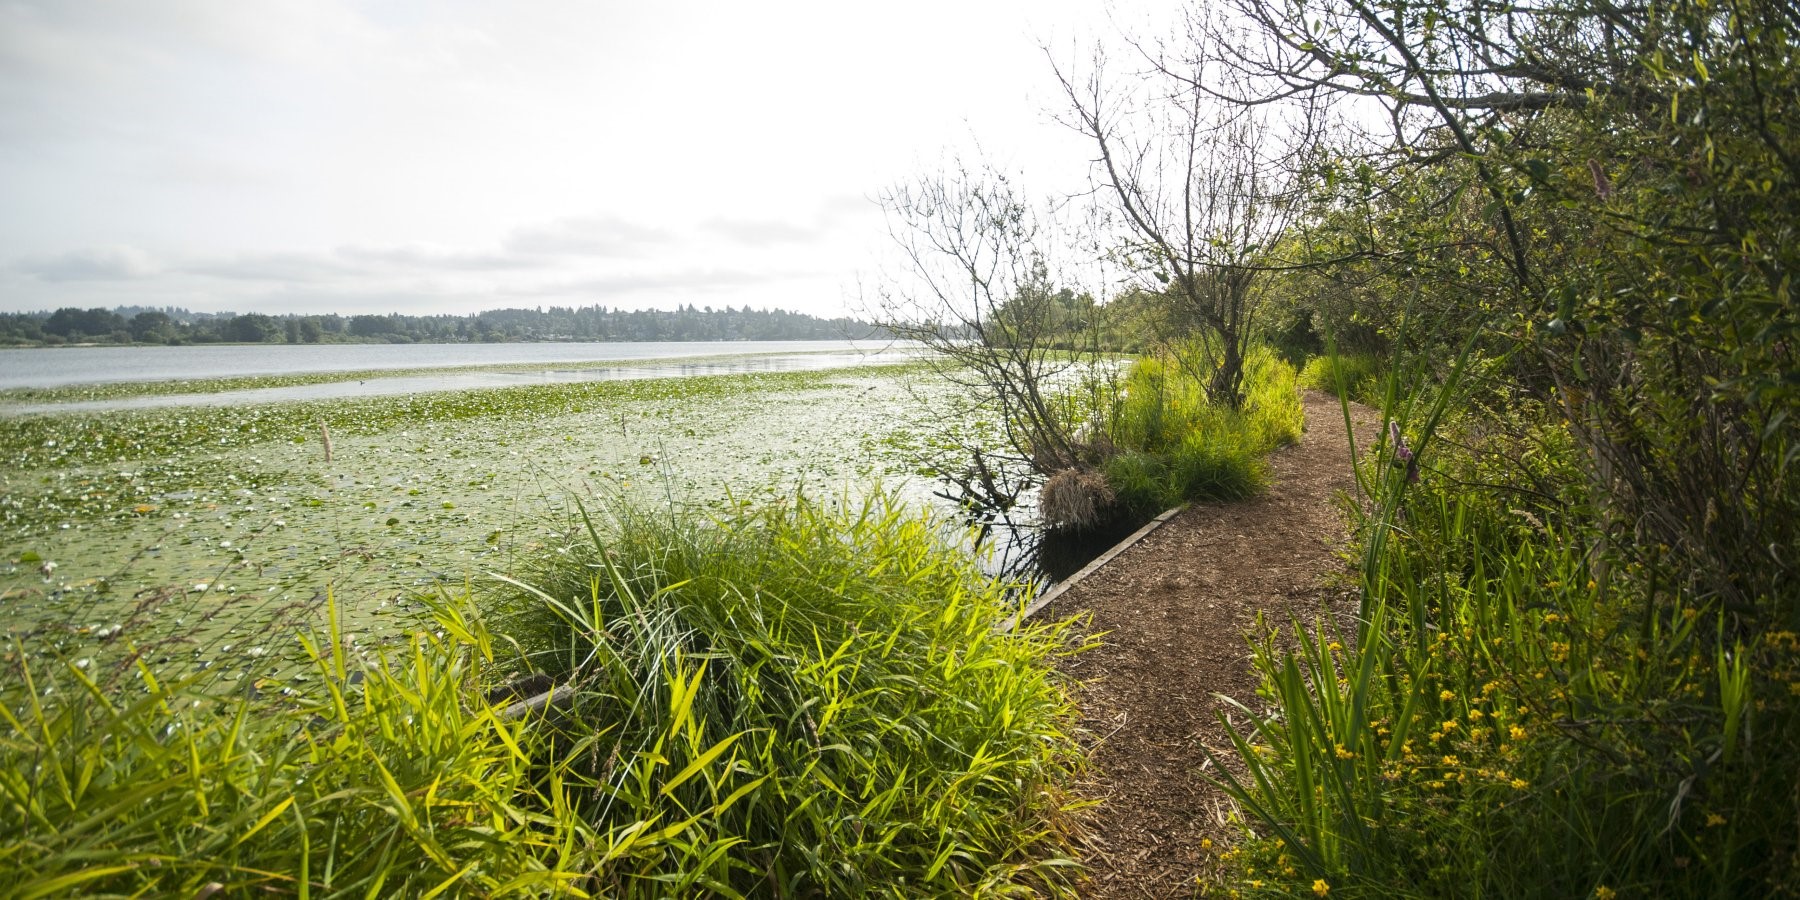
(1335, 647)
(1321, 887)
(1714, 820)
(1403, 455)
(1604, 893)
(1343, 753)
(1519, 784)
(1206, 843)
(1518, 734)
(1449, 726)
(1447, 695)
(1450, 760)
(1476, 714)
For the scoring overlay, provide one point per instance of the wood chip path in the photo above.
(1176, 608)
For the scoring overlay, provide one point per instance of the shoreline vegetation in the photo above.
(176, 326)
(781, 695)
(790, 699)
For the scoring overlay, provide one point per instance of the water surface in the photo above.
(43, 367)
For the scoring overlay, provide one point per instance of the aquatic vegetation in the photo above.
(422, 493)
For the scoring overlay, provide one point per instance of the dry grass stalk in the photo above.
(1074, 498)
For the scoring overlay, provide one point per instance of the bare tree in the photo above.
(1206, 190)
(981, 292)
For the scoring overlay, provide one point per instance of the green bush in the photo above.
(1516, 713)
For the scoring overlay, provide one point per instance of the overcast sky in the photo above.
(335, 156)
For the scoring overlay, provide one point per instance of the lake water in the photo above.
(57, 366)
(477, 378)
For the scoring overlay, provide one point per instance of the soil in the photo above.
(1174, 614)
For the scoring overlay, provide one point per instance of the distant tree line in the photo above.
(171, 325)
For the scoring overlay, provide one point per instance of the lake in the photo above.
(210, 531)
(57, 366)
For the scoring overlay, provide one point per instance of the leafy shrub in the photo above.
(1517, 713)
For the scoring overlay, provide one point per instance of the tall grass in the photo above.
(842, 690)
(1349, 376)
(798, 701)
(1512, 713)
(1175, 445)
(391, 781)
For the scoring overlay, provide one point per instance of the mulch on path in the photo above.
(1176, 608)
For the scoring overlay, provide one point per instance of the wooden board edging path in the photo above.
(1057, 590)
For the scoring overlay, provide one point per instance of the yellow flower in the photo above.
(1321, 887)
(1335, 647)
(1475, 714)
(1714, 820)
(1343, 753)
(1449, 726)
(1451, 760)
(1447, 695)
(1520, 784)
(1604, 893)
(1518, 734)
(1206, 843)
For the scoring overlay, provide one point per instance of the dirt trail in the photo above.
(1177, 606)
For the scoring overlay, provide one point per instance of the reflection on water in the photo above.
(489, 378)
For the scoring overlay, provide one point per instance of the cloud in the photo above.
(607, 236)
(761, 233)
(113, 263)
(433, 258)
(303, 268)
(691, 280)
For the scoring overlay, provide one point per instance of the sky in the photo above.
(308, 156)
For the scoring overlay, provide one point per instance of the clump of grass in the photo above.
(1347, 376)
(1076, 498)
(795, 701)
(1176, 445)
(839, 685)
(1141, 484)
(390, 781)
